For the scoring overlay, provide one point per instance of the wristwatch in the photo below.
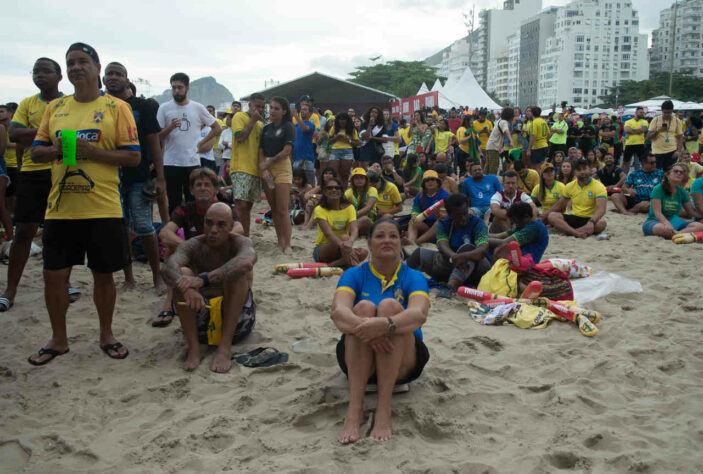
(391, 326)
(206, 281)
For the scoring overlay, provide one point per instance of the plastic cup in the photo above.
(68, 147)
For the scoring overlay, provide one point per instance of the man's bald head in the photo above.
(441, 157)
(218, 224)
(220, 211)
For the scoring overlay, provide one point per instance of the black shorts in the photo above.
(637, 150)
(631, 202)
(32, 192)
(576, 222)
(422, 355)
(539, 155)
(66, 242)
(12, 173)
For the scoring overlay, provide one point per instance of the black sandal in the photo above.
(52, 352)
(164, 322)
(107, 348)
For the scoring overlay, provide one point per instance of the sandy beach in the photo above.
(491, 399)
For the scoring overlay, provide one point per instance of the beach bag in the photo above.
(500, 280)
(209, 321)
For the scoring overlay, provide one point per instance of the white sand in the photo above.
(491, 399)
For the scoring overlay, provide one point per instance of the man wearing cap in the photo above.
(303, 149)
(137, 205)
(588, 198)
(33, 181)
(84, 210)
(503, 199)
(181, 121)
(666, 135)
(432, 193)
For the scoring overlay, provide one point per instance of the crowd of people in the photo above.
(474, 182)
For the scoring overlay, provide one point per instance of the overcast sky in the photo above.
(240, 43)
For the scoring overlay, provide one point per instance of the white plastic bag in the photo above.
(602, 284)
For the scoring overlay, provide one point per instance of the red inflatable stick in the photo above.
(474, 294)
(314, 272)
(613, 189)
(284, 267)
(533, 290)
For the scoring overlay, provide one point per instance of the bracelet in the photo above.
(206, 280)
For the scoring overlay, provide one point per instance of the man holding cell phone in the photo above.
(84, 210)
(666, 134)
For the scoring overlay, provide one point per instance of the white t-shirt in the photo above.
(495, 139)
(505, 202)
(208, 155)
(181, 145)
(226, 137)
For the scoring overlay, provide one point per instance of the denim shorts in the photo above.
(480, 211)
(676, 222)
(3, 170)
(137, 210)
(342, 154)
(305, 165)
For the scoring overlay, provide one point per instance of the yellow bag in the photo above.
(500, 280)
(531, 317)
(214, 328)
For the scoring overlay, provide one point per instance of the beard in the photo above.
(179, 98)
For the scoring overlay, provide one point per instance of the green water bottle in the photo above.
(68, 147)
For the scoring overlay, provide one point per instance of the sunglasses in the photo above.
(678, 171)
(333, 188)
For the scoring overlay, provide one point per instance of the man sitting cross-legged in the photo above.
(217, 263)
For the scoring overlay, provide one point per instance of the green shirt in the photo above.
(560, 138)
(671, 205)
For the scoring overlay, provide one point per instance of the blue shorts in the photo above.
(480, 211)
(305, 165)
(137, 209)
(676, 222)
(316, 253)
(3, 170)
(342, 154)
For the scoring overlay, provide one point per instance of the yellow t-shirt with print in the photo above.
(245, 156)
(88, 189)
(665, 142)
(527, 184)
(483, 139)
(551, 196)
(388, 197)
(539, 128)
(441, 141)
(637, 138)
(340, 144)
(406, 138)
(583, 199)
(338, 220)
(10, 153)
(29, 115)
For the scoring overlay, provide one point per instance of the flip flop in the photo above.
(5, 304)
(52, 352)
(446, 292)
(162, 315)
(262, 357)
(107, 348)
(73, 294)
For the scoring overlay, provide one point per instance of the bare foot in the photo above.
(288, 250)
(160, 286)
(221, 363)
(129, 285)
(381, 431)
(627, 213)
(192, 360)
(350, 432)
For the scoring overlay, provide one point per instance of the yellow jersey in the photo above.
(388, 197)
(527, 184)
(245, 156)
(539, 128)
(338, 220)
(404, 135)
(441, 140)
(342, 145)
(460, 135)
(10, 153)
(583, 199)
(636, 139)
(479, 126)
(29, 115)
(551, 195)
(88, 189)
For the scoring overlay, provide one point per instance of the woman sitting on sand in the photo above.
(668, 198)
(432, 193)
(363, 196)
(548, 191)
(297, 196)
(379, 307)
(336, 228)
(413, 175)
(566, 172)
(312, 197)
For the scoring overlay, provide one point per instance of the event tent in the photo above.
(656, 102)
(423, 89)
(437, 87)
(465, 92)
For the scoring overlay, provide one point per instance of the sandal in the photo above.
(73, 294)
(107, 348)
(5, 304)
(261, 357)
(163, 322)
(52, 352)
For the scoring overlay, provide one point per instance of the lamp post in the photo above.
(671, 49)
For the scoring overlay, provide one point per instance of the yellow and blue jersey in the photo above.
(365, 283)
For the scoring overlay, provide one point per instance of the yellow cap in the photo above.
(359, 172)
(229, 110)
(430, 174)
(328, 112)
(546, 166)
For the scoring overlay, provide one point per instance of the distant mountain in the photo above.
(205, 90)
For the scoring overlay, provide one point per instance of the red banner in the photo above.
(407, 107)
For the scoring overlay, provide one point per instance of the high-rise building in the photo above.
(533, 38)
(596, 45)
(687, 18)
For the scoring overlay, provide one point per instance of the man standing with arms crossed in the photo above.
(244, 165)
(181, 120)
(84, 211)
(33, 179)
(138, 208)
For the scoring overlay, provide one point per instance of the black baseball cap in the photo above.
(90, 51)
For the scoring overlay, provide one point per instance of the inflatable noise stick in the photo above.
(68, 147)
(533, 290)
(515, 253)
(474, 294)
(314, 272)
(433, 209)
(613, 189)
(688, 238)
(284, 267)
(586, 327)
(183, 303)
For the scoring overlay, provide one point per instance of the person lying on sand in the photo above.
(379, 307)
(217, 263)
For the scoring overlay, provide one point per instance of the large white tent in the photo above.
(656, 102)
(465, 92)
(437, 86)
(423, 89)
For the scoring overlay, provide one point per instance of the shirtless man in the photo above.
(448, 182)
(217, 263)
